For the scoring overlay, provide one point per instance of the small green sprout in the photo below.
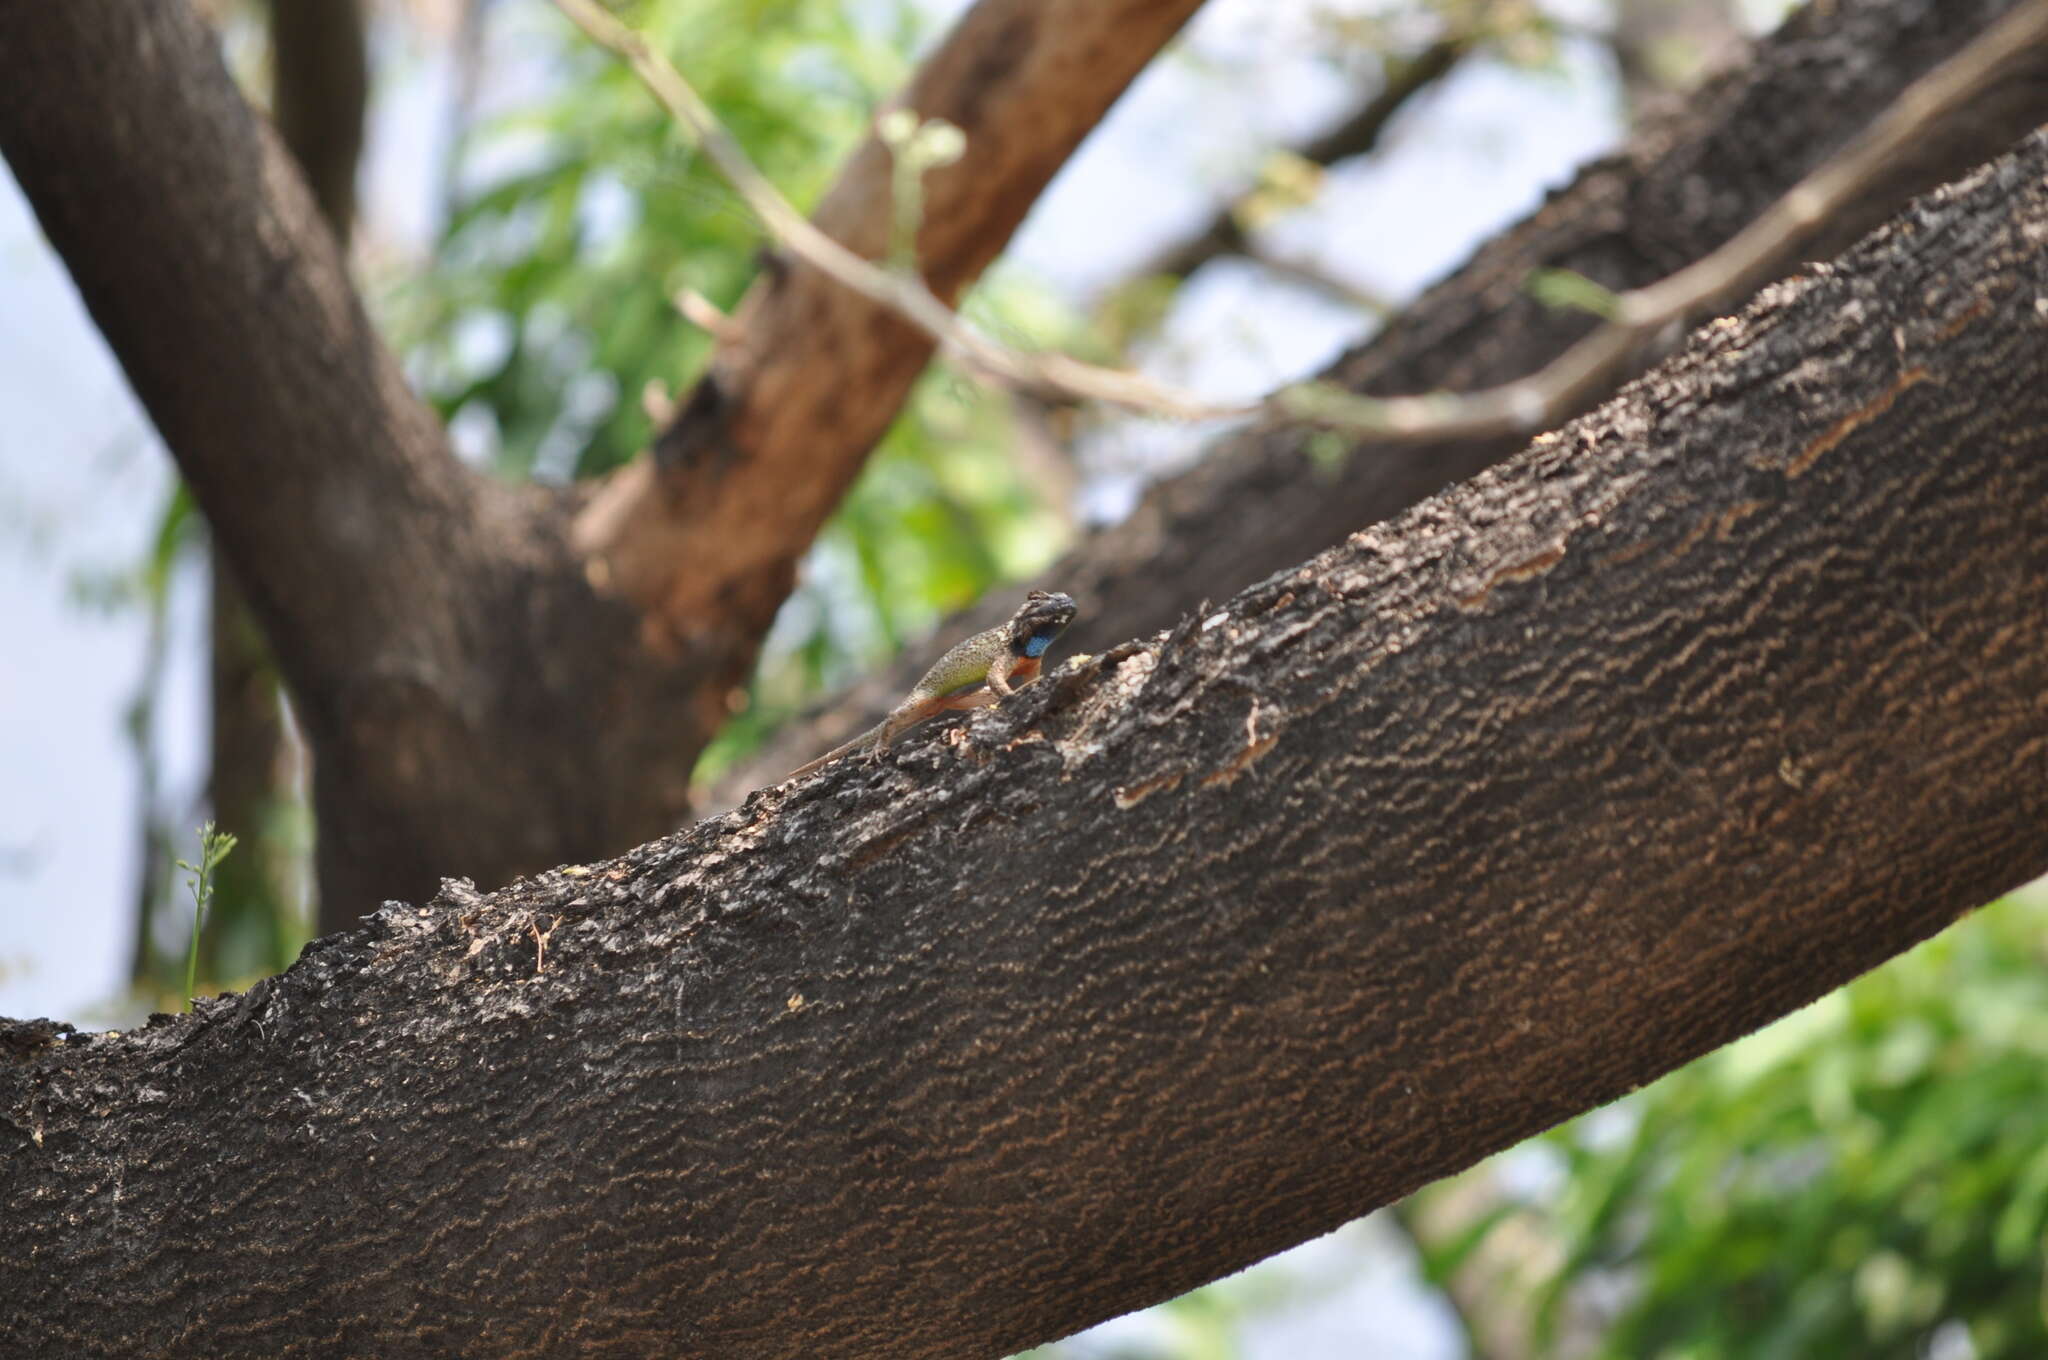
(214, 846)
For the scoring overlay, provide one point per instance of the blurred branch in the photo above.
(1490, 1287)
(1354, 136)
(901, 291)
(1533, 403)
(467, 54)
(152, 872)
(1525, 406)
(1310, 274)
(1042, 436)
(1664, 47)
(320, 90)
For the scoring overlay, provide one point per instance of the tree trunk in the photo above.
(1700, 707)
(320, 86)
(248, 786)
(320, 83)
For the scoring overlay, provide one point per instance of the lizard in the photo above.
(974, 673)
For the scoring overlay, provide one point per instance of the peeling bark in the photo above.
(1703, 705)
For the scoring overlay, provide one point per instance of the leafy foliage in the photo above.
(583, 212)
(1868, 1177)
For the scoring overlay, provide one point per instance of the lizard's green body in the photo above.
(973, 673)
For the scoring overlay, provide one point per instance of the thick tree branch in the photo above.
(1678, 191)
(1702, 706)
(252, 282)
(706, 534)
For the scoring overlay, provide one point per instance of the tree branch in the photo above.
(193, 234)
(2012, 48)
(1672, 196)
(1521, 407)
(896, 289)
(321, 85)
(1704, 705)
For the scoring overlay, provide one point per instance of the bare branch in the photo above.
(1312, 275)
(1535, 402)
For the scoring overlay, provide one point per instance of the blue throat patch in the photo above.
(1035, 645)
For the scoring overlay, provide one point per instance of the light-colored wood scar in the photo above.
(1517, 571)
(1854, 421)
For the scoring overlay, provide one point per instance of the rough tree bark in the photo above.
(1674, 193)
(474, 703)
(1704, 704)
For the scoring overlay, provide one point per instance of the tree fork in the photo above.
(475, 703)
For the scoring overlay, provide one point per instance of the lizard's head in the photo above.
(1043, 616)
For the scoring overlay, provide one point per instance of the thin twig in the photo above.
(703, 313)
(1533, 403)
(1299, 269)
(1524, 406)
